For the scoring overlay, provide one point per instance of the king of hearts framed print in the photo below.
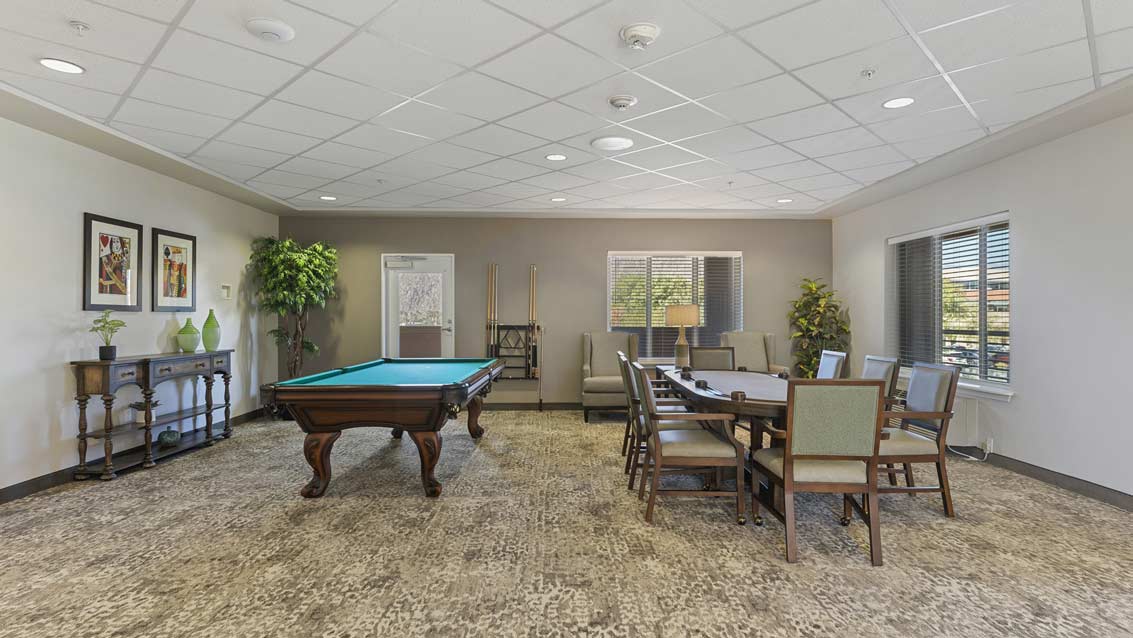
(112, 264)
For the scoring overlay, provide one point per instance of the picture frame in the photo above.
(174, 271)
(112, 264)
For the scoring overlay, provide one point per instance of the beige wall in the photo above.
(1071, 224)
(571, 257)
(46, 184)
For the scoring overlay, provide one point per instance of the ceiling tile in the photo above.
(380, 181)
(509, 169)
(1110, 15)
(206, 59)
(709, 198)
(1021, 27)
(481, 198)
(434, 190)
(918, 126)
(702, 70)
(547, 14)
(1020, 106)
(679, 122)
(481, 96)
(603, 170)
(640, 199)
(225, 20)
(821, 181)
(1110, 78)
(21, 54)
(757, 192)
(863, 158)
(936, 145)
(164, 11)
(1012, 75)
(284, 178)
(640, 140)
(794, 170)
(76, 99)
(552, 121)
(352, 189)
(268, 139)
(276, 189)
(346, 155)
(232, 170)
(762, 99)
(498, 140)
(114, 33)
(187, 93)
(823, 30)
(659, 157)
(597, 191)
(484, 30)
(728, 140)
(595, 99)
(323, 92)
(168, 118)
(698, 170)
(316, 168)
(241, 154)
(515, 190)
(875, 173)
(387, 65)
(382, 139)
(414, 167)
(926, 14)
(406, 198)
(731, 182)
(839, 142)
(445, 154)
(930, 94)
(893, 62)
(761, 157)
(644, 180)
(426, 120)
(557, 180)
(538, 156)
(681, 27)
(804, 123)
(299, 119)
(355, 12)
(837, 192)
(549, 66)
(471, 181)
(735, 15)
(172, 142)
(1115, 50)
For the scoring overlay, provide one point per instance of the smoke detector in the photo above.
(639, 36)
(622, 102)
(611, 143)
(270, 29)
(79, 27)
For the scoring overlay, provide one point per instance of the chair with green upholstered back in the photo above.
(712, 358)
(830, 445)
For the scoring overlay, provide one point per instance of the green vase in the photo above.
(210, 332)
(188, 337)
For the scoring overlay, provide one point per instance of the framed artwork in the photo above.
(174, 271)
(112, 264)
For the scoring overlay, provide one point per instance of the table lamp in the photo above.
(682, 315)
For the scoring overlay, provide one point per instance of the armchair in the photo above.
(602, 387)
(754, 351)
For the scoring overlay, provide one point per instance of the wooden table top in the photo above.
(764, 394)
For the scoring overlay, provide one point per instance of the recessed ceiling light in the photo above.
(784, 201)
(328, 198)
(556, 157)
(558, 199)
(611, 143)
(270, 29)
(898, 103)
(62, 66)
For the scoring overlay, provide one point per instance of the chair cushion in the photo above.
(812, 471)
(666, 426)
(903, 442)
(603, 384)
(604, 347)
(696, 443)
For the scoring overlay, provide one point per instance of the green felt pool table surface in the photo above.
(397, 372)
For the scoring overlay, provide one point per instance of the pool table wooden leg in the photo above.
(429, 447)
(316, 447)
(474, 408)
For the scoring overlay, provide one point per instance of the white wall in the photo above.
(1071, 204)
(46, 184)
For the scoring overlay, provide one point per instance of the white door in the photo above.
(418, 306)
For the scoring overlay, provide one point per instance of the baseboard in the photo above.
(59, 477)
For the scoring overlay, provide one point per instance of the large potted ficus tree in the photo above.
(818, 322)
(292, 281)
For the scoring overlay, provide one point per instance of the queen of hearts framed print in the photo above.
(174, 271)
(112, 264)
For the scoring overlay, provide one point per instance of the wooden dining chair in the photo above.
(830, 445)
(884, 368)
(633, 443)
(683, 451)
(830, 365)
(712, 357)
(922, 436)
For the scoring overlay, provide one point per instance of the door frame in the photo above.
(382, 292)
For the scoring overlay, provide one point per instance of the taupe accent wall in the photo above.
(571, 257)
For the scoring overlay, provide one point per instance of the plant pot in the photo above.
(188, 337)
(210, 333)
(107, 353)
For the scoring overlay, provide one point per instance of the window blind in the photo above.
(953, 301)
(641, 285)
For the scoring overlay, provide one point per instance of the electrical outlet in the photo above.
(989, 445)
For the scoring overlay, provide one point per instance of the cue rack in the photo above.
(516, 344)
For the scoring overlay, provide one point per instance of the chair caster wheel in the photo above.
(844, 521)
(741, 521)
(758, 521)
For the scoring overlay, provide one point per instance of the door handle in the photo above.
(446, 329)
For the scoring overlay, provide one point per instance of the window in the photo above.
(641, 285)
(953, 299)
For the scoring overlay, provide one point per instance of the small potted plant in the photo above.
(106, 327)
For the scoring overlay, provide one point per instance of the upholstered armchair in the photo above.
(602, 387)
(754, 351)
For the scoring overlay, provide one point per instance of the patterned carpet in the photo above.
(536, 535)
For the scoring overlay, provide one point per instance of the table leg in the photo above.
(209, 380)
(429, 447)
(107, 441)
(82, 400)
(316, 449)
(147, 458)
(474, 408)
(227, 405)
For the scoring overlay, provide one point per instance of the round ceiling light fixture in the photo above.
(611, 143)
(785, 200)
(558, 199)
(270, 29)
(898, 103)
(328, 198)
(622, 102)
(62, 66)
(556, 157)
(640, 35)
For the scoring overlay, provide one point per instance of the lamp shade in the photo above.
(682, 315)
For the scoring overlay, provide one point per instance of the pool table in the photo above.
(417, 396)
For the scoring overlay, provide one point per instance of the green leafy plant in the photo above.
(818, 322)
(107, 327)
(293, 280)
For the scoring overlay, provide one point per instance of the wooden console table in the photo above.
(147, 371)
